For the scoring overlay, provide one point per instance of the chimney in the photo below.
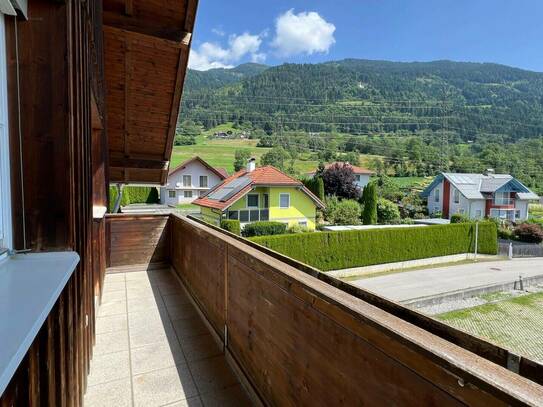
(489, 172)
(251, 164)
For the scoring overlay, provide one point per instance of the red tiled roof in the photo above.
(261, 176)
(220, 172)
(356, 170)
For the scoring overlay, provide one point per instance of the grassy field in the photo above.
(408, 182)
(220, 152)
(514, 323)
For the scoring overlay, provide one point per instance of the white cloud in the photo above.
(302, 33)
(211, 55)
(218, 31)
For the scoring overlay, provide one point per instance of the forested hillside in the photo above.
(421, 117)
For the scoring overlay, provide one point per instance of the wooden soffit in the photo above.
(146, 50)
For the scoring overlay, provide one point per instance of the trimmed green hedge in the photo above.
(266, 228)
(357, 248)
(231, 225)
(133, 195)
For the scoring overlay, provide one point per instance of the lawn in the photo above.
(514, 323)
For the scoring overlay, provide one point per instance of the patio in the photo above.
(153, 348)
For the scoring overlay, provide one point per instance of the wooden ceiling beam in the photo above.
(138, 163)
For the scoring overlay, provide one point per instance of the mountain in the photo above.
(372, 97)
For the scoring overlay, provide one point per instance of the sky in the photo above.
(273, 32)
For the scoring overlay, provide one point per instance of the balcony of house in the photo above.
(192, 315)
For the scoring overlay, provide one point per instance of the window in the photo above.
(5, 194)
(284, 201)
(203, 181)
(252, 201)
(461, 211)
(232, 214)
(187, 194)
(502, 198)
(456, 196)
(436, 194)
(357, 177)
(171, 193)
(517, 214)
(254, 215)
(244, 216)
(478, 214)
(266, 200)
(303, 223)
(201, 193)
(187, 180)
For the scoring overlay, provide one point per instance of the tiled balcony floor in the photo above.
(153, 349)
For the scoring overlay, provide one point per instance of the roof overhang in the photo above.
(146, 51)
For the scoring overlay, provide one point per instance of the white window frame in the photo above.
(170, 193)
(187, 193)
(202, 177)
(189, 184)
(281, 206)
(5, 188)
(437, 194)
(257, 201)
(456, 196)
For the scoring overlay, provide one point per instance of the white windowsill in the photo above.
(30, 284)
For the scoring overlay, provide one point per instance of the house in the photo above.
(362, 175)
(479, 196)
(190, 180)
(260, 194)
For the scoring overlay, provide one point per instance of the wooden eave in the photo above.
(146, 50)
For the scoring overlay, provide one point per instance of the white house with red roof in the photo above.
(362, 175)
(190, 180)
(261, 194)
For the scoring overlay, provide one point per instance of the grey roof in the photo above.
(467, 184)
(493, 183)
(526, 196)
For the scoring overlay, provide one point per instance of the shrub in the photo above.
(315, 185)
(459, 218)
(369, 200)
(133, 195)
(339, 180)
(264, 229)
(231, 225)
(345, 212)
(529, 233)
(358, 248)
(506, 233)
(387, 211)
(297, 229)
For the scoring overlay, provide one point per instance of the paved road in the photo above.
(433, 281)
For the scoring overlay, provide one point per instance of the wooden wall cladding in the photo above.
(59, 71)
(301, 341)
(137, 239)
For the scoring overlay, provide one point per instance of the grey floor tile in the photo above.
(173, 300)
(114, 278)
(112, 323)
(110, 296)
(111, 342)
(115, 393)
(187, 328)
(109, 367)
(156, 356)
(144, 304)
(114, 286)
(146, 335)
(192, 402)
(149, 317)
(163, 386)
(200, 347)
(212, 375)
(182, 311)
(115, 307)
(233, 396)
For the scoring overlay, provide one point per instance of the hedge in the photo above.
(357, 248)
(231, 225)
(133, 195)
(264, 229)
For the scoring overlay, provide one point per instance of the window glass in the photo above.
(517, 214)
(284, 201)
(201, 193)
(187, 194)
(5, 194)
(303, 223)
(357, 178)
(266, 201)
(252, 201)
(254, 215)
(478, 213)
(203, 181)
(265, 214)
(171, 193)
(456, 195)
(436, 195)
(187, 180)
(244, 216)
(232, 214)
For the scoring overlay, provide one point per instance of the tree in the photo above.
(276, 157)
(240, 158)
(387, 211)
(352, 158)
(388, 189)
(344, 212)
(339, 180)
(315, 185)
(369, 198)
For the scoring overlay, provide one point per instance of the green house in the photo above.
(260, 194)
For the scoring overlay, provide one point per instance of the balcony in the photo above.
(500, 201)
(192, 315)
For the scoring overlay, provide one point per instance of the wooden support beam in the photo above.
(139, 163)
(128, 7)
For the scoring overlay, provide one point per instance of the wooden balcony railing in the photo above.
(299, 337)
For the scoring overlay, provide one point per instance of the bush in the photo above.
(529, 233)
(315, 185)
(459, 218)
(369, 200)
(297, 229)
(358, 248)
(231, 225)
(264, 229)
(387, 211)
(345, 212)
(505, 233)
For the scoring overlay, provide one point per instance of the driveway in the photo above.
(409, 285)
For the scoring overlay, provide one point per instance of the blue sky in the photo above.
(228, 33)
